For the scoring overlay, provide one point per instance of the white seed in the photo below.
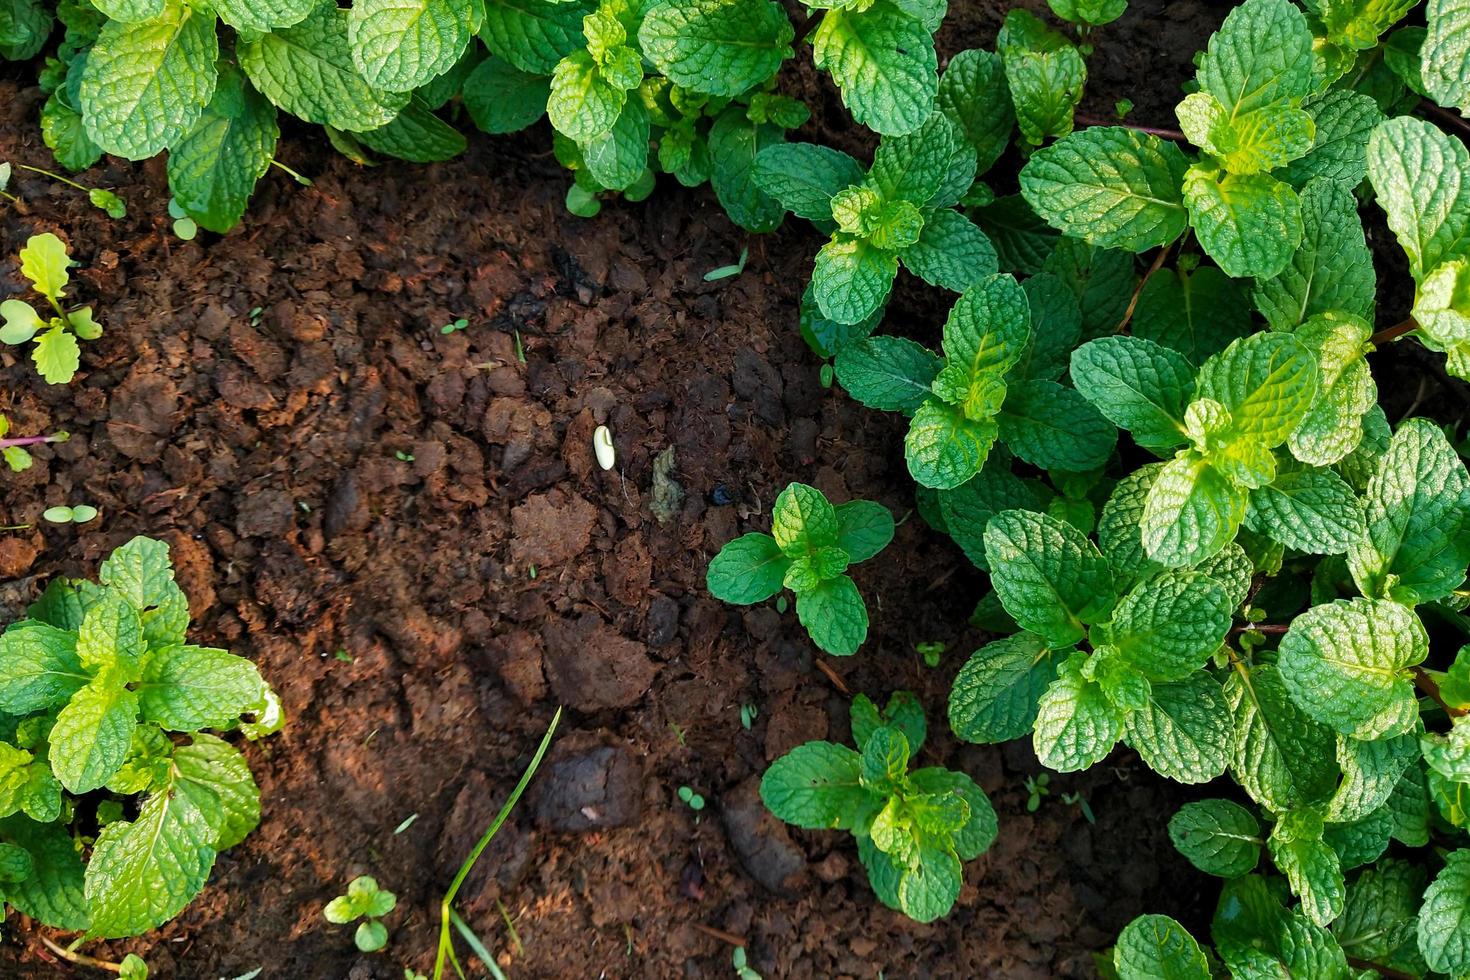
(602, 445)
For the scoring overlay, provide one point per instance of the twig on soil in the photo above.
(720, 934)
(1429, 687)
(1138, 290)
(834, 677)
(1168, 134)
(81, 959)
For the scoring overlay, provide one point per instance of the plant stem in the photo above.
(81, 959)
(47, 173)
(29, 441)
(1168, 134)
(1445, 115)
(720, 934)
(1382, 971)
(1429, 687)
(1393, 333)
(1274, 629)
(303, 181)
(805, 27)
(1138, 290)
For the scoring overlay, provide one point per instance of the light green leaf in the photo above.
(1076, 725)
(1184, 731)
(1311, 510)
(41, 668)
(1420, 175)
(1218, 837)
(1444, 921)
(1048, 575)
(804, 176)
(1266, 382)
(1170, 625)
(217, 777)
(1250, 224)
(1333, 426)
(891, 374)
(141, 571)
(1111, 186)
(307, 70)
(1251, 142)
(43, 260)
(996, 694)
(834, 616)
(583, 104)
(111, 637)
(1310, 865)
(1045, 73)
(65, 133)
(57, 355)
(816, 786)
(188, 688)
(212, 171)
(260, 16)
(884, 64)
(53, 893)
(852, 278)
(1445, 56)
(1260, 56)
(1155, 947)
(146, 84)
(1191, 512)
(864, 528)
(21, 321)
(1283, 758)
(1370, 771)
(1418, 514)
(92, 734)
(1333, 269)
(533, 35)
(803, 521)
(398, 45)
(1137, 384)
(721, 47)
(1054, 427)
(143, 873)
(1442, 312)
(943, 448)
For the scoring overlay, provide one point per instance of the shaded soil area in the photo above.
(407, 532)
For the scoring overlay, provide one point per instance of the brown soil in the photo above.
(498, 572)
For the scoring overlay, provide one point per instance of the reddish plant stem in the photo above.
(1274, 629)
(1138, 291)
(1382, 971)
(1168, 134)
(1393, 333)
(28, 441)
(1445, 115)
(1429, 687)
(720, 934)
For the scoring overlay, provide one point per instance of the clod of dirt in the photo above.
(551, 528)
(592, 667)
(762, 842)
(589, 782)
(667, 494)
(265, 514)
(663, 621)
(517, 660)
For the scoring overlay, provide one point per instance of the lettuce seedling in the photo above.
(808, 551)
(57, 355)
(103, 702)
(900, 211)
(363, 900)
(913, 829)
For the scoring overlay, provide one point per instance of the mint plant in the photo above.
(914, 829)
(104, 703)
(57, 355)
(1045, 73)
(808, 551)
(366, 901)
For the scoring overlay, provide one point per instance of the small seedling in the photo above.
(303, 181)
(742, 967)
(931, 652)
(13, 450)
(748, 714)
(255, 315)
(364, 900)
(403, 457)
(1077, 800)
(103, 199)
(726, 271)
(457, 325)
(57, 355)
(184, 226)
(1037, 786)
(75, 514)
(343, 656)
(5, 182)
(406, 824)
(695, 801)
(826, 375)
(781, 605)
(1122, 107)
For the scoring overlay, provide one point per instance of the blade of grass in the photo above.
(476, 947)
(446, 912)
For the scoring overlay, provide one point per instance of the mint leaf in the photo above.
(1370, 771)
(973, 93)
(1344, 121)
(41, 668)
(1218, 837)
(1443, 936)
(141, 571)
(1266, 382)
(834, 616)
(1250, 224)
(1283, 758)
(92, 734)
(1183, 732)
(1261, 55)
(1418, 516)
(716, 46)
(864, 528)
(532, 35)
(1048, 575)
(1313, 511)
(1333, 427)
(143, 873)
(883, 62)
(1054, 427)
(1170, 625)
(816, 786)
(1076, 725)
(1192, 511)
(1138, 385)
(903, 712)
(1113, 187)
(734, 144)
(951, 252)
(259, 16)
(416, 134)
(1332, 271)
(1158, 946)
(1445, 56)
(187, 688)
(852, 278)
(583, 104)
(891, 374)
(802, 520)
(1252, 142)
(501, 98)
(804, 177)
(619, 157)
(53, 892)
(1346, 665)
(212, 171)
(217, 777)
(1045, 73)
(996, 694)
(145, 84)
(1197, 314)
(1310, 865)
(1256, 936)
(943, 448)
(399, 45)
(1407, 160)
(1118, 526)
(968, 507)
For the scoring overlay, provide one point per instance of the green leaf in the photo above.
(1310, 865)
(816, 786)
(65, 132)
(398, 45)
(141, 571)
(1261, 55)
(1256, 937)
(1118, 526)
(583, 104)
(1442, 312)
(146, 84)
(1283, 758)
(1311, 510)
(852, 278)
(1076, 725)
(734, 144)
(1333, 426)
(1370, 771)
(1197, 314)
(501, 98)
(1362, 841)
(1409, 163)
(884, 64)
(92, 734)
(24, 27)
(57, 355)
(1444, 921)
(53, 893)
(1218, 837)
(1344, 122)
(1252, 142)
(217, 777)
(1347, 665)
(533, 35)
(805, 176)
(996, 694)
(111, 637)
(307, 69)
(188, 688)
(1266, 382)
(1055, 304)
(967, 508)
(43, 260)
(891, 374)
(1170, 625)
(1250, 224)
(21, 322)
(618, 158)
(1380, 919)
(834, 616)
(1054, 427)
(721, 47)
(1418, 514)
(1088, 13)
(943, 448)
(41, 668)
(416, 134)
(803, 521)
(212, 171)
(1102, 278)
(1184, 731)
(1332, 271)
(952, 252)
(1048, 575)
(1156, 946)
(1022, 239)
(903, 711)
(1111, 186)
(864, 528)
(1191, 513)
(1045, 73)
(1138, 385)
(1445, 65)
(973, 93)
(143, 873)
(260, 16)
(979, 832)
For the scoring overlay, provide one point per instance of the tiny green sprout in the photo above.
(1077, 800)
(184, 226)
(1122, 107)
(748, 714)
(343, 656)
(695, 801)
(450, 328)
(364, 900)
(533, 572)
(678, 732)
(409, 973)
(931, 652)
(406, 824)
(726, 271)
(5, 181)
(1037, 787)
(103, 199)
(582, 202)
(255, 315)
(781, 605)
(13, 450)
(826, 375)
(303, 181)
(76, 514)
(520, 348)
(132, 967)
(742, 966)
(403, 457)
(57, 355)
(109, 811)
